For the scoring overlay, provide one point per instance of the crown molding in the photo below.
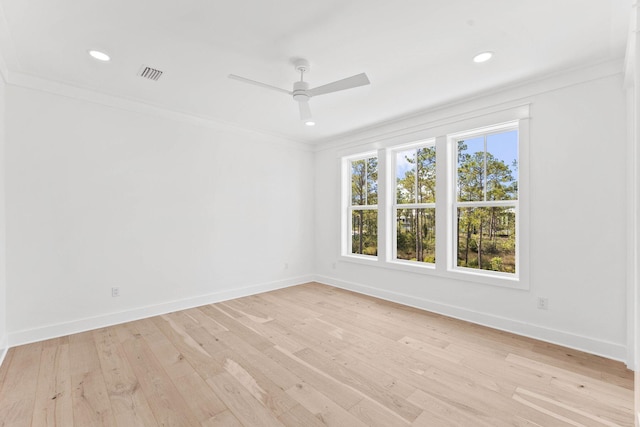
(500, 97)
(12, 74)
(36, 83)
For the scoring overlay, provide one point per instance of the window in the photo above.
(486, 200)
(363, 207)
(414, 208)
(453, 205)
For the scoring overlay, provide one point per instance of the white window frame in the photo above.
(453, 140)
(443, 133)
(349, 208)
(395, 206)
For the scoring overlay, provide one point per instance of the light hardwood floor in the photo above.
(310, 355)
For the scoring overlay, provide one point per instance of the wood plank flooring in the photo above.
(311, 355)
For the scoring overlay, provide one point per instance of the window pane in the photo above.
(358, 182)
(416, 234)
(372, 181)
(364, 232)
(502, 166)
(471, 162)
(487, 238)
(426, 168)
(406, 176)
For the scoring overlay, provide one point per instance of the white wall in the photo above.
(633, 64)
(3, 281)
(174, 213)
(578, 219)
(166, 209)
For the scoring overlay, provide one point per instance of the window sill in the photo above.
(467, 275)
(361, 259)
(412, 266)
(487, 278)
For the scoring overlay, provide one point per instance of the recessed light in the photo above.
(100, 56)
(482, 57)
(310, 123)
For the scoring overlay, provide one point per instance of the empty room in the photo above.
(336, 213)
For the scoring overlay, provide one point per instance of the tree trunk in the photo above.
(458, 235)
(466, 255)
(360, 238)
(480, 245)
(419, 256)
(492, 226)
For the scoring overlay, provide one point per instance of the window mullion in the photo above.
(364, 208)
(415, 206)
(381, 206)
(487, 204)
(444, 185)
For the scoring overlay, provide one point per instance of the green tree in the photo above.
(483, 177)
(364, 192)
(415, 235)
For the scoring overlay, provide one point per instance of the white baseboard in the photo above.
(598, 347)
(590, 345)
(86, 324)
(4, 347)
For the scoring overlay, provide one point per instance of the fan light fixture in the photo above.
(301, 92)
(100, 56)
(482, 57)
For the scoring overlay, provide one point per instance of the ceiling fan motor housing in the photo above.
(300, 91)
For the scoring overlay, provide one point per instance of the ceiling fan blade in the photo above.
(264, 85)
(348, 83)
(305, 111)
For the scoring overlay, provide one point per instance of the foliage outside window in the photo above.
(486, 203)
(364, 206)
(414, 207)
(448, 206)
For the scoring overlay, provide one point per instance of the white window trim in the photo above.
(392, 248)
(452, 141)
(445, 153)
(348, 208)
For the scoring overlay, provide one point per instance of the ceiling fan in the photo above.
(301, 92)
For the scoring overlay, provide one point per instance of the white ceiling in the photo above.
(417, 53)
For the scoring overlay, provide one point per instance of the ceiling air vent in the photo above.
(150, 73)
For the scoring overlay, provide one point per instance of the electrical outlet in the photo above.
(115, 292)
(286, 265)
(333, 265)
(543, 303)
